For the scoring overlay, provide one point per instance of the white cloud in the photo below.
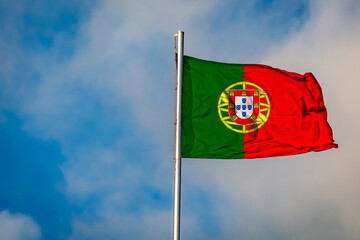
(118, 75)
(18, 227)
(149, 223)
(315, 195)
(123, 66)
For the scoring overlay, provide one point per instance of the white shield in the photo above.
(244, 106)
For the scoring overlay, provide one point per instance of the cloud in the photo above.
(108, 102)
(109, 106)
(18, 227)
(315, 195)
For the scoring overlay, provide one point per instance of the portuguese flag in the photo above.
(235, 111)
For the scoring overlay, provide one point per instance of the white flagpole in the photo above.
(177, 156)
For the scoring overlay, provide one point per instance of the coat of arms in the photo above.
(244, 106)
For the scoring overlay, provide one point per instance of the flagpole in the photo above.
(177, 155)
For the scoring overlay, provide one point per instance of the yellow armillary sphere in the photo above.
(224, 108)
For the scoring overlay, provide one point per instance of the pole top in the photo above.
(179, 34)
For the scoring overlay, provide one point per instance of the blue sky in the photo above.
(87, 112)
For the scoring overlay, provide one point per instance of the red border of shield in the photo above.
(256, 105)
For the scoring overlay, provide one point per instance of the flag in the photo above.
(235, 111)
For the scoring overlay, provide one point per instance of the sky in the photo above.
(87, 120)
